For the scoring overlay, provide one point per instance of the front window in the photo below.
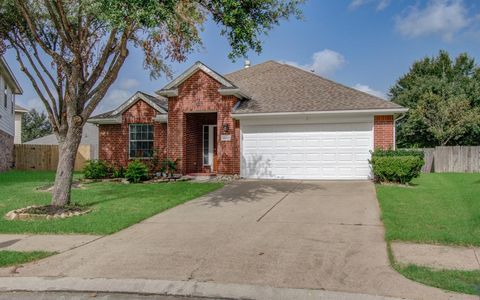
(141, 141)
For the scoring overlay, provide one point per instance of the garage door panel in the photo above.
(313, 151)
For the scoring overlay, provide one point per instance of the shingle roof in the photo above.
(277, 87)
(161, 102)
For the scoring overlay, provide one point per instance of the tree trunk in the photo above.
(66, 162)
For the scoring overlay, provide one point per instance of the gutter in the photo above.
(325, 112)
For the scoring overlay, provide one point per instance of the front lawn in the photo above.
(115, 205)
(11, 258)
(467, 282)
(441, 208)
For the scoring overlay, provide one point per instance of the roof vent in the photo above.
(247, 64)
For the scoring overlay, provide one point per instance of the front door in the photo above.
(210, 147)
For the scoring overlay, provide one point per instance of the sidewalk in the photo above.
(438, 256)
(40, 242)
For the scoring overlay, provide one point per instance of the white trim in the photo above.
(233, 92)
(10, 77)
(117, 120)
(132, 100)
(168, 93)
(161, 118)
(187, 73)
(239, 116)
(211, 129)
(129, 140)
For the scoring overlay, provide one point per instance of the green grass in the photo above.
(441, 208)
(11, 258)
(115, 205)
(467, 282)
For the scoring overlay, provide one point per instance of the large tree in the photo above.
(35, 125)
(73, 50)
(444, 100)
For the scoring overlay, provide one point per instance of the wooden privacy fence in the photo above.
(457, 159)
(45, 157)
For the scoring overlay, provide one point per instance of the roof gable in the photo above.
(134, 99)
(170, 88)
(114, 116)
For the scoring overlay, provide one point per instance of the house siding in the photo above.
(384, 132)
(114, 138)
(199, 93)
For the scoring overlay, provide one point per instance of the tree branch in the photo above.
(50, 113)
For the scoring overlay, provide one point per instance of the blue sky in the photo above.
(366, 44)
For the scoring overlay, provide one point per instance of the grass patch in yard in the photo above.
(441, 208)
(11, 258)
(115, 205)
(467, 282)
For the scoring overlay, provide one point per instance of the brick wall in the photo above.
(199, 93)
(6, 151)
(384, 132)
(113, 138)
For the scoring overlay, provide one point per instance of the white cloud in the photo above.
(114, 98)
(117, 94)
(324, 62)
(366, 89)
(442, 17)
(129, 83)
(381, 4)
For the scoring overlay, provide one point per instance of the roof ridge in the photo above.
(252, 67)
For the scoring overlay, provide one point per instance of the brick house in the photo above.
(271, 120)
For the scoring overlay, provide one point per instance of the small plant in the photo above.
(136, 172)
(399, 166)
(170, 166)
(118, 172)
(96, 169)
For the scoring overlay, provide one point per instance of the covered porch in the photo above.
(201, 143)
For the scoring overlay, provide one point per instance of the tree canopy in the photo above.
(443, 95)
(35, 125)
(72, 50)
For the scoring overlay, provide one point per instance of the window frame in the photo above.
(130, 140)
(5, 95)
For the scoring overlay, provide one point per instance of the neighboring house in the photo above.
(9, 87)
(89, 137)
(271, 120)
(19, 111)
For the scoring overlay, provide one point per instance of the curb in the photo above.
(172, 288)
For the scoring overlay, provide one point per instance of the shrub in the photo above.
(118, 173)
(400, 152)
(170, 166)
(399, 169)
(95, 169)
(136, 172)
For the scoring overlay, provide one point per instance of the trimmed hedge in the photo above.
(401, 152)
(399, 166)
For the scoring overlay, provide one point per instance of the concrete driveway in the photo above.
(296, 234)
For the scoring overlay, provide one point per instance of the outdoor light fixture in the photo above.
(226, 128)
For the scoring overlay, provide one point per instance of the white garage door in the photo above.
(310, 151)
